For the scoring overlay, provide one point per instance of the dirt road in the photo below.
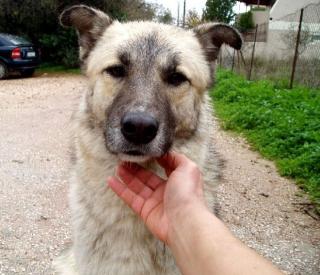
(258, 205)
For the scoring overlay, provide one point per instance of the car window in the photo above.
(15, 40)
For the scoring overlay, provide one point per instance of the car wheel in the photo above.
(27, 73)
(3, 71)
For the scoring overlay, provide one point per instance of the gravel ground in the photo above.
(262, 208)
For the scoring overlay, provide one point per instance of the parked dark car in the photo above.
(17, 55)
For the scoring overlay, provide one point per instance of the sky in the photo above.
(198, 5)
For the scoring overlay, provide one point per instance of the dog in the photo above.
(147, 94)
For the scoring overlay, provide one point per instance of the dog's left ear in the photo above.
(213, 35)
(89, 23)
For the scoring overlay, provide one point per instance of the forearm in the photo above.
(203, 245)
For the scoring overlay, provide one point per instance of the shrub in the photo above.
(245, 22)
(60, 48)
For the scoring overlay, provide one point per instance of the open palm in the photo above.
(158, 201)
(143, 191)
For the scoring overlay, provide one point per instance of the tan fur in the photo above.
(108, 237)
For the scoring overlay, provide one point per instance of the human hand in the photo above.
(160, 203)
(175, 212)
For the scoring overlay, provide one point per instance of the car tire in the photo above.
(27, 73)
(3, 70)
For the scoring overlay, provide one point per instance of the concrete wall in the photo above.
(261, 17)
(276, 46)
(283, 8)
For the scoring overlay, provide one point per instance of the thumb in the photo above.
(173, 161)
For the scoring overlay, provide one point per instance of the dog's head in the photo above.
(148, 79)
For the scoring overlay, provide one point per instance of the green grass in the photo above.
(57, 69)
(283, 125)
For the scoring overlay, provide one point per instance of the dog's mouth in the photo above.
(134, 153)
(140, 155)
(134, 156)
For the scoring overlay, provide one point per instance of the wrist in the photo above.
(190, 238)
(187, 221)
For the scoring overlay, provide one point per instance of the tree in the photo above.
(38, 21)
(135, 9)
(122, 10)
(219, 10)
(245, 21)
(193, 19)
(164, 15)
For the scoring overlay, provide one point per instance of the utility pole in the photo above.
(178, 20)
(296, 52)
(253, 51)
(184, 13)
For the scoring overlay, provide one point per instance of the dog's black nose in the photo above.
(139, 128)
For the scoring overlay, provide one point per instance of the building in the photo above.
(277, 27)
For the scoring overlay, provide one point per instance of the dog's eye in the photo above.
(117, 71)
(176, 79)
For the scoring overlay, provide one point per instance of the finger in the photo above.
(134, 201)
(140, 176)
(133, 183)
(117, 186)
(152, 203)
(173, 161)
(127, 171)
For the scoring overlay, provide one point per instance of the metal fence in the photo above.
(285, 50)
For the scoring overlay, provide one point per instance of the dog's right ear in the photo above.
(89, 23)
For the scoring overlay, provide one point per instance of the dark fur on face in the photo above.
(143, 90)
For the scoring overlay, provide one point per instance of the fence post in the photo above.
(178, 19)
(296, 53)
(184, 14)
(253, 52)
(244, 62)
(233, 59)
(220, 57)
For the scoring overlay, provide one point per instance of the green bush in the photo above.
(38, 22)
(284, 125)
(60, 48)
(245, 22)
